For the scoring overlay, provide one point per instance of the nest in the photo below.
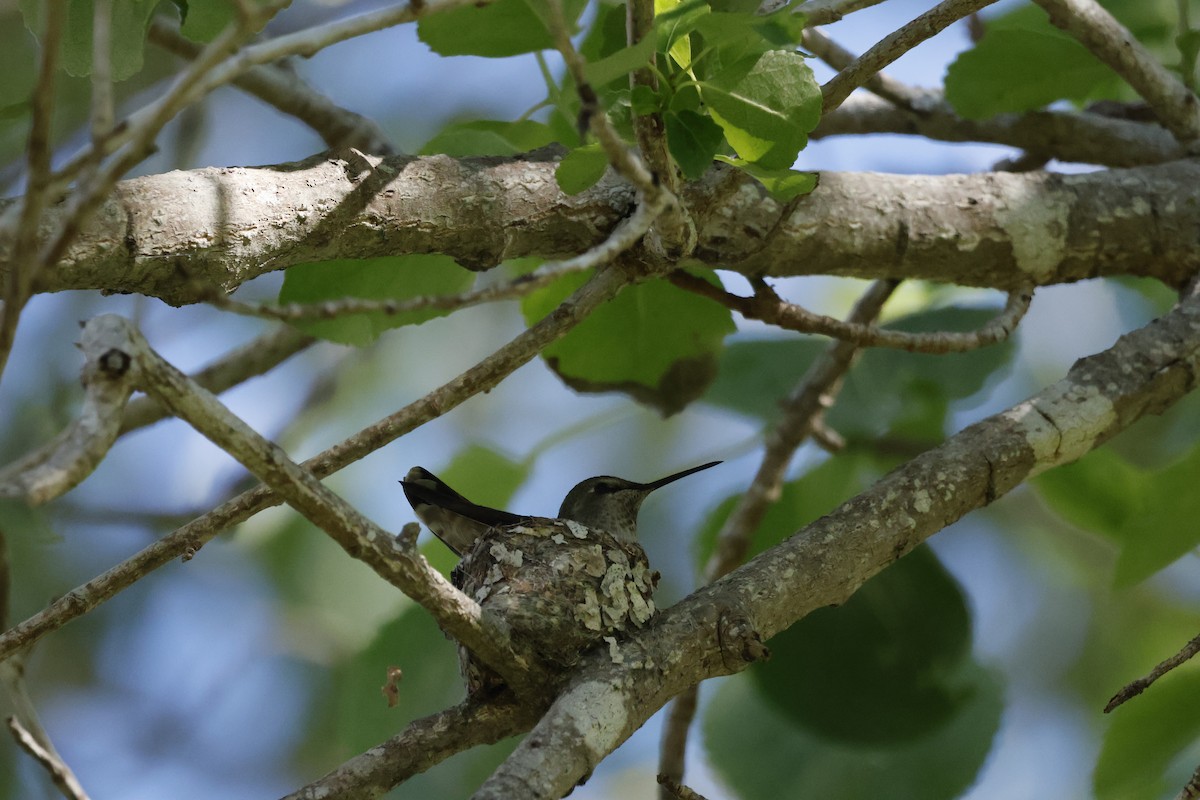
(561, 587)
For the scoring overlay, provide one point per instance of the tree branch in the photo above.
(1134, 688)
(1145, 372)
(1067, 135)
(802, 411)
(767, 306)
(1044, 228)
(285, 90)
(423, 744)
(1098, 31)
(185, 541)
(894, 45)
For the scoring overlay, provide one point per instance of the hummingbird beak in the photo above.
(672, 478)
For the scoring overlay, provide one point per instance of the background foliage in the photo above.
(975, 667)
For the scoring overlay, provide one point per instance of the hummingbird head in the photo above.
(612, 504)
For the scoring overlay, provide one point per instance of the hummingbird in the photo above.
(603, 502)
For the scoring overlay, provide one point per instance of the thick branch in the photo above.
(997, 230)
(1145, 372)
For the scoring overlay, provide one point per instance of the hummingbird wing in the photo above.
(453, 518)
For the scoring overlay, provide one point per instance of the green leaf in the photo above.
(581, 168)
(1150, 514)
(1019, 70)
(764, 755)
(356, 717)
(489, 138)
(390, 278)
(655, 342)
(693, 140)
(498, 29)
(883, 668)
(674, 24)
(128, 32)
(1146, 736)
(620, 63)
(203, 20)
(766, 105)
(782, 184)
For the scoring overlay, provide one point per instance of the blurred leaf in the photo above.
(1021, 70)
(412, 641)
(203, 20)
(581, 168)
(764, 756)
(1023, 62)
(1146, 735)
(800, 502)
(693, 140)
(485, 476)
(489, 138)
(1150, 514)
(498, 29)
(888, 391)
(388, 278)
(657, 343)
(883, 668)
(128, 32)
(766, 105)
(782, 184)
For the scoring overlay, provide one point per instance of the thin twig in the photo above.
(285, 90)
(306, 42)
(1069, 135)
(623, 160)
(1134, 688)
(404, 568)
(23, 266)
(185, 541)
(188, 87)
(1111, 42)
(64, 779)
(675, 789)
(1191, 789)
(421, 745)
(823, 12)
(102, 85)
(801, 411)
(890, 89)
(624, 236)
(894, 45)
(768, 307)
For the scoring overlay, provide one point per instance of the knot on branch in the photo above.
(114, 363)
(739, 641)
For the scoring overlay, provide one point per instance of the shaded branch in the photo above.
(802, 410)
(185, 541)
(766, 306)
(1134, 688)
(1066, 135)
(109, 336)
(713, 631)
(285, 90)
(894, 45)
(423, 744)
(1111, 42)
